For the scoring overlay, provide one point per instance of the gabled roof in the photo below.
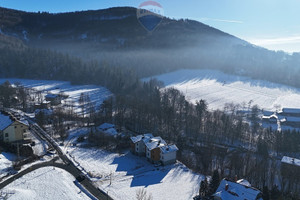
(229, 190)
(5, 121)
(145, 138)
(51, 96)
(292, 119)
(155, 142)
(106, 126)
(291, 110)
(291, 161)
(168, 148)
(244, 182)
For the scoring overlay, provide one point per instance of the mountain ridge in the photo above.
(115, 36)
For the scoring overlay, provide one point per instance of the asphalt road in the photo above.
(67, 166)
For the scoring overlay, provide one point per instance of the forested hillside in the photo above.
(98, 49)
(115, 37)
(20, 61)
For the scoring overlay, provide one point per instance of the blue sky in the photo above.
(274, 24)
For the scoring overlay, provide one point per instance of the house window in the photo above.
(137, 149)
(15, 126)
(24, 130)
(6, 134)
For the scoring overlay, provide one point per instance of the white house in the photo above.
(138, 144)
(11, 129)
(168, 154)
(155, 149)
(239, 190)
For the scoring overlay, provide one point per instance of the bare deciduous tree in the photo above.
(141, 194)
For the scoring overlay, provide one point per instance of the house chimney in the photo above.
(226, 187)
(235, 178)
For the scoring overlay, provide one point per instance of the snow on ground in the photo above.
(130, 173)
(218, 88)
(97, 94)
(44, 183)
(6, 162)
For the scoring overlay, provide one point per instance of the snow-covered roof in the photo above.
(155, 142)
(105, 126)
(229, 190)
(291, 161)
(168, 148)
(244, 182)
(111, 131)
(291, 110)
(5, 121)
(292, 119)
(51, 96)
(145, 138)
(268, 113)
(108, 129)
(24, 121)
(45, 111)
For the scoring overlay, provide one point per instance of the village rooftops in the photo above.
(145, 138)
(291, 161)
(5, 121)
(155, 142)
(229, 190)
(168, 148)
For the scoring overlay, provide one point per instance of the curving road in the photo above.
(69, 168)
(67, 165)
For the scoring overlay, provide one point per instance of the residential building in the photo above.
(168, 154)
(108, 129)
(292, 112)
(240, 190)
(55, 99)
(43, 105)
(153, 151)
(138, 144)
(11, 129)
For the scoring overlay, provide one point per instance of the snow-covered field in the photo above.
(97, 94)
(44, 183)
(128, 173)
(218, 88)
(6, 162)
